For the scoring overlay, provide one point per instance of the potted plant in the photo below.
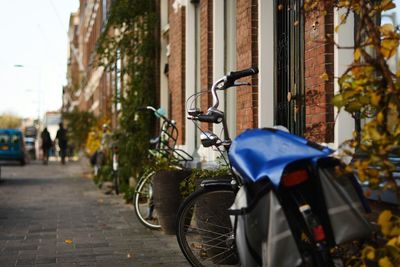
(193, 181)
(167, 196)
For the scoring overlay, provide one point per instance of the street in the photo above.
(51, 215)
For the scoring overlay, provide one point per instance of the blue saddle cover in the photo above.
(264, 153)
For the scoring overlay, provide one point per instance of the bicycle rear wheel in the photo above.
(204, 231)
(144, 202)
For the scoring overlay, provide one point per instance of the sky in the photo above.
(34, 36)
(33, 55)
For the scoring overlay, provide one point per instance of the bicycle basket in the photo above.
(168, 135)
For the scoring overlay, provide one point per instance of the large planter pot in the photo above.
(167, 197)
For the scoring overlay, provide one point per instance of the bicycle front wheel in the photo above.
(204, 230)
(144, 202)
(116, 182)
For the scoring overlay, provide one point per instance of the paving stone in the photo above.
(25, 262)
(40, 260)
(66, 259)
(50, 216)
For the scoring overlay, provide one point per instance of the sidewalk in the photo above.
(51, 216)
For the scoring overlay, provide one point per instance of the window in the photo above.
(197, 65)
(4, 138)
(15, 139)
(118, 68)
(392, 17)
(230, 63)
(289, 106)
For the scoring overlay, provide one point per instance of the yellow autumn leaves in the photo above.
(390, 40)
(359, 89)
(370, 88)
(386, 5)
(94, 137)
(390, 226)
(387, 255)
(388, 45)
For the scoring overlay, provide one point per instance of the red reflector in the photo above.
(319, 233)
(294, 178)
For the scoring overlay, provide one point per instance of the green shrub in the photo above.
(188, 185)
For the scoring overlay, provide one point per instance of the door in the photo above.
(289, 105)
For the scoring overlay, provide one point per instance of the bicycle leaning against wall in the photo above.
(162, 147)
(204, 231)
(291, 207)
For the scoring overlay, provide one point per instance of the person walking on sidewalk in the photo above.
(46, 144)
(62, 142)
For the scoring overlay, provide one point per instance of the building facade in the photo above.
(202, 40)
(90, 87)
(295, 84)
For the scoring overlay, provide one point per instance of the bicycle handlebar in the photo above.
(235, 75)
(226, 81)
(229, 81)
(208, 118)
(156, 112)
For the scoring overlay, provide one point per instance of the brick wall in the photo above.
(319, 91)
(176, 61)
(206, 54)
(247, 56)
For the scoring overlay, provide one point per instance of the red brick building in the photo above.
(89, 87)
(202, 40)
(209, 38)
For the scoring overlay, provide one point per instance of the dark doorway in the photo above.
(289, 105)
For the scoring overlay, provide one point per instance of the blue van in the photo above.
(12, 146)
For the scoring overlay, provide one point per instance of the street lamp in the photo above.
(38, 81)
(35, 68)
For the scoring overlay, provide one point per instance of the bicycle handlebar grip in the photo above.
(234, 75)
(208, 118)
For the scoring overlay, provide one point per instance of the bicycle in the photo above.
(209, 240)
(281, 183)
(164, 147)
(115, 168)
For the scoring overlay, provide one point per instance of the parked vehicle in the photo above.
(30, 147)
(12, 147)
(288, 198)
(30, 131)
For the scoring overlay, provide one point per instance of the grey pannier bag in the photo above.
(263, 235)
(345, 203)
